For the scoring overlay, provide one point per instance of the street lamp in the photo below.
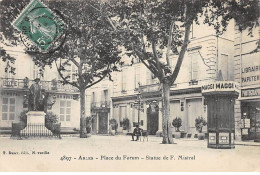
(137, 103)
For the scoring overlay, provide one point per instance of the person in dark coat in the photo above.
(137, 133)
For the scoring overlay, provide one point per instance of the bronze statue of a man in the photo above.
(34, 96)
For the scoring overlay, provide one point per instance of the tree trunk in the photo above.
(166, 123)
(83, 131)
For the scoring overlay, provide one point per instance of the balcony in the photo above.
(101, 104)
(22, 84)
(150, 88)
(193, 82)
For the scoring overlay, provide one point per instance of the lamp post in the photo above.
(137, 103)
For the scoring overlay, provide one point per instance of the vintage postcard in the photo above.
(129, 86)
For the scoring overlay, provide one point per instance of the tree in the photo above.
(90, 44)
(154, 30)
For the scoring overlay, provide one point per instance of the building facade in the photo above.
(247, 74)
(63, 100)
(208, 56)
(186, 101)
(99, 105)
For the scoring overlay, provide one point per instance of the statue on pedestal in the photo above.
(34, 96)
(37, 97)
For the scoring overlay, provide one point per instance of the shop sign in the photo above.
(250, 71)
(250, 92)
(245, 123)
(223, 138)
(244, 131)
(212, 138)
(222, 86)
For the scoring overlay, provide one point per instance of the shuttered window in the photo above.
(65, 110)
(8, 108)
(194, 66)
(223, 66)
(137, 76)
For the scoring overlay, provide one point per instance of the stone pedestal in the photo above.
(35, 125)
(35, 117)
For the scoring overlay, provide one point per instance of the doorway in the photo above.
(152, 119)
(251, 110)
(102, 123)
(94, 124)
(194, 110)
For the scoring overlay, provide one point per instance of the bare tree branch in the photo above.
(158, 65)
(93, 67)
(99, 79)
(140, 56)
(74, 62)
(169, 45)
(107, 18)
(183, 50)
(64, 79)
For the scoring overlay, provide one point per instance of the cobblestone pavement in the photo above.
(119, 153)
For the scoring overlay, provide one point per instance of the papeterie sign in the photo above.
(220, 86)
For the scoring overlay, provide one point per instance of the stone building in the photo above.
(98, 103)
(63, 99)
(247, 74)
(234, 54)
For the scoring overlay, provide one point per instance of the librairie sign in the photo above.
(221, 86)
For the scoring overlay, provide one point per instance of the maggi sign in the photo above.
(222, 86)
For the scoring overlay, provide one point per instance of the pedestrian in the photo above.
(137, 133)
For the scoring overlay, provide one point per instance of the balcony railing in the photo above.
(150, 88)
(101, 104)
(36, 130)
(193, 82)
(47, 85)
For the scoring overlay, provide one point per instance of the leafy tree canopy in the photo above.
(149, 27)
(90, 43)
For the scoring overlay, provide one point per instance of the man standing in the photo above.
(34, 96)
(137, 133)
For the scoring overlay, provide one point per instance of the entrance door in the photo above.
(251, 110)
(102, 123)
(255, 129)
(94, 124)
(175, 111)
(152, 119)
(194, 107)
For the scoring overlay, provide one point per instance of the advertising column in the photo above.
(220, 98)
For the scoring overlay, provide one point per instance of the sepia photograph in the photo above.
(129, 86)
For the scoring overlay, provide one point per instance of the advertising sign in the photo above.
(222, 86)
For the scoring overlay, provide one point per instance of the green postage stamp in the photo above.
(39, 24)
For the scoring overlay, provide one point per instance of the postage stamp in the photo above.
(39, 25)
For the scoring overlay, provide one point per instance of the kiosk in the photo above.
(220, 98)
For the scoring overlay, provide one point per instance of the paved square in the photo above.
(119, 153)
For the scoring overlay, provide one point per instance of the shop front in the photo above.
(250, 114)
